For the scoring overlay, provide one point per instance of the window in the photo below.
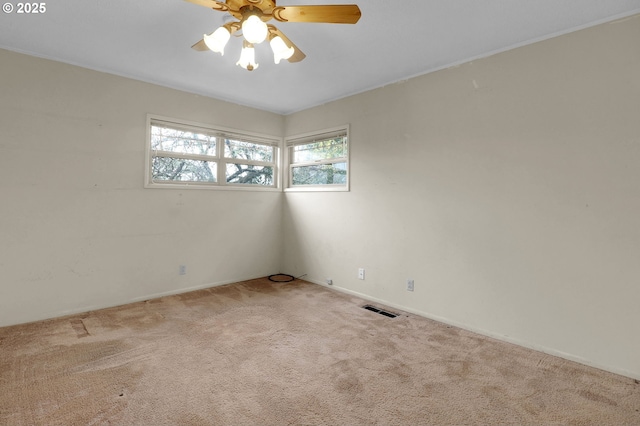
(319, 161)
(184, 154)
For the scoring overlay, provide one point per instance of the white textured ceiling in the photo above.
(150, 40)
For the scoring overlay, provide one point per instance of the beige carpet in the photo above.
(258, 352)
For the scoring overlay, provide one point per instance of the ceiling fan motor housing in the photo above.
(241, 8)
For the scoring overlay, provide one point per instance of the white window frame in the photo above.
(301, 139)
(219, 158)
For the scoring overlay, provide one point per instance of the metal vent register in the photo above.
(380, 311)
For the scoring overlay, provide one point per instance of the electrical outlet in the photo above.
(182, 270)
(361, 273)
(329, 281)
(409, 285)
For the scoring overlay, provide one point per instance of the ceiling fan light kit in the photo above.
(280, 49)
(253, 15)
(254, 29)
(217, 40)
(247, 57)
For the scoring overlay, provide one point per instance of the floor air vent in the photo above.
(380, 311)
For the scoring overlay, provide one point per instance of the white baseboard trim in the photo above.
(89, 308)
(187, 290)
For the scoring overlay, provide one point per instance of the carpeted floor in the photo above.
(264, 353)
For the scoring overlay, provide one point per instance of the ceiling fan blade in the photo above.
(298, 55)
(200, 46)
(332, 14)
(211, 4)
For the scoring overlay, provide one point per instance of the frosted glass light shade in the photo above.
(280, 49)
(248, 57)
(254, 30)
(217, 40)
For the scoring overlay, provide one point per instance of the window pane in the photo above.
(174, 140)
(321, 174)
(247, 150)
(249, 174)
(187, 153)
(182, 170)
(320, 150)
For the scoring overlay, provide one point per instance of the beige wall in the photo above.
(77, 229)
(507, 188)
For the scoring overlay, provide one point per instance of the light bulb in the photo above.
(254, 30)
(217, 40)
(280, 49)
(247, 57)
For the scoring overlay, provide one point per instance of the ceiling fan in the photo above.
(252, 16)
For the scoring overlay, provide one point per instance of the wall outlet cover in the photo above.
(409, 285)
